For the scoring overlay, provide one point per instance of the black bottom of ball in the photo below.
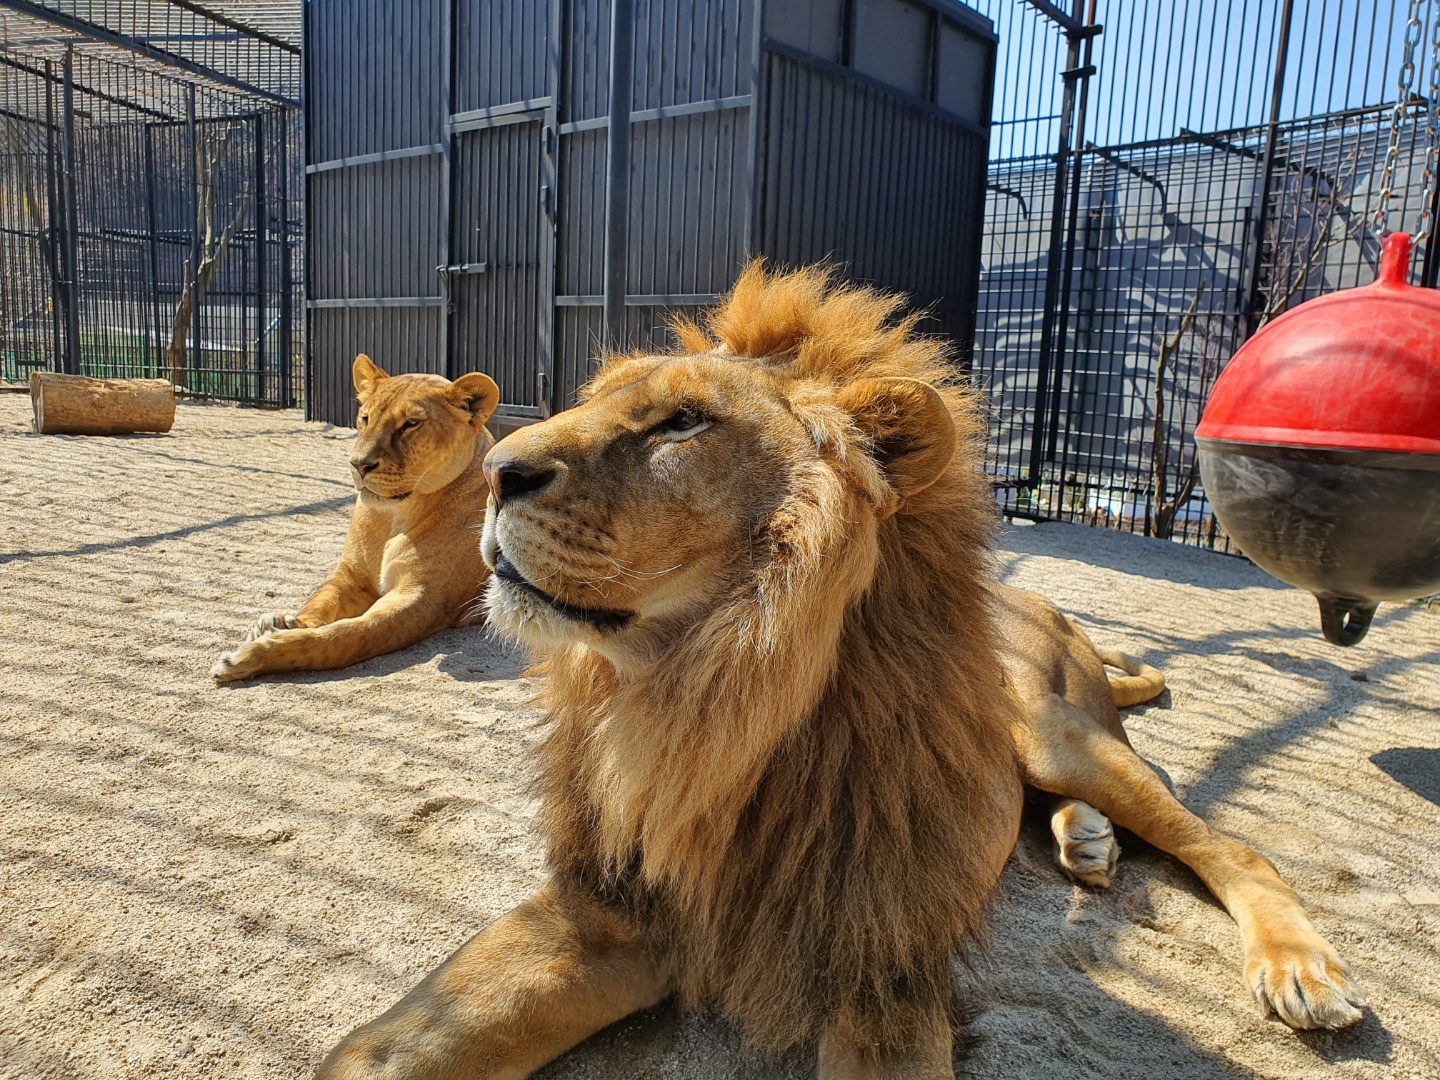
(1354, 527)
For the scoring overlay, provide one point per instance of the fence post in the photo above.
(1054, 260)
(1430, 268)
(194, 143)
(72, 221)
(1085, 70)
(55, 225)
(287, 285)
(617, 179)
(151, 216)
(1267, 164)
(260, 256)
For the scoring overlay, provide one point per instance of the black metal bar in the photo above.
(1253, 309)
(239, 27)
(550, 205)
(1430, 268)
(285, 358)
(447, 186)
(88, 91)
(754, 149)
(110, 37)
(463, 120)
(1062, 316)
(193, 144)
(1055, 14)
(665, 112)
(307, 271)
(261, 255)
(1054, 271)
(53, 224)
(376, 158)
(151, 218)
(72, 221)
(377, 302)
(617, 178)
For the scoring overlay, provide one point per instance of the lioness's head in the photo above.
(416, 432)
(744, 478)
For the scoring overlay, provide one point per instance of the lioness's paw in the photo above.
(270, 622)
(1085, 846)
(234, 666)
(1306, 984)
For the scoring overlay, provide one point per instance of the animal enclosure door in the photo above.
(502, 259)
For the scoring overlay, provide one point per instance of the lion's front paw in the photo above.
(238, 664)
(1305, 983)
(1085, 846)
(270, 622)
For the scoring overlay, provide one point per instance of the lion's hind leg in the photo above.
(1085, 846)
(1292, 971)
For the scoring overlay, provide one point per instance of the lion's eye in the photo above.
(686, 419)
(409, 425)
(361, 420)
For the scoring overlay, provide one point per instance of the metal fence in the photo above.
(467, 211)
(150, 213)
(1151, 157)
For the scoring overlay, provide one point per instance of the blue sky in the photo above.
(1206, 65)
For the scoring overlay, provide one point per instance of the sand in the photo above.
(217, 882)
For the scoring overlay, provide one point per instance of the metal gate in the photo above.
(503, 245)
(464, 212)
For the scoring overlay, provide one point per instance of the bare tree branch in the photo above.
(1164, 511)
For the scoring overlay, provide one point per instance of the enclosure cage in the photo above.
(459, 151)
(150, 213)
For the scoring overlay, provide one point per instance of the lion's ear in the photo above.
(366, 373)
(910, 427)
(476, 392)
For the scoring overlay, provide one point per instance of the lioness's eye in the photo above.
(686, 419)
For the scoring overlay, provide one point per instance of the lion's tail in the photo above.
(1141, 682)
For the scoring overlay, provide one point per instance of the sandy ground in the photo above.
(208, 882)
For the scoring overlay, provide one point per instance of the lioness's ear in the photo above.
(476, 392)
(912, 430)
(366, 374)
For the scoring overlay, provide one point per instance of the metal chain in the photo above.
(1414, 33)
(1432, 130)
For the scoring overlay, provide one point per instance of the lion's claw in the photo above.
(1306, 986)
(271, 622)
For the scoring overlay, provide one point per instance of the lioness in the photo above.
(410, 566)
(783, 770)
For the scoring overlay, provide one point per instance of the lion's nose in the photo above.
(363, 466)
(510, 479)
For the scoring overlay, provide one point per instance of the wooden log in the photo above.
(79, 405)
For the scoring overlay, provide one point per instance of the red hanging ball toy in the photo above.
(1320, 446)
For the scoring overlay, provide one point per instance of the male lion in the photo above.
(410, 566)
(781, 773)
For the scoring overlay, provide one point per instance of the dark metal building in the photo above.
(460, 155)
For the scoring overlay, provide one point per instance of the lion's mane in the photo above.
(800, 802)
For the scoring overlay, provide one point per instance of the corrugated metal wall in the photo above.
(480, 135)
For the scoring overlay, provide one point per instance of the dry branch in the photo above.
(1165, 510)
